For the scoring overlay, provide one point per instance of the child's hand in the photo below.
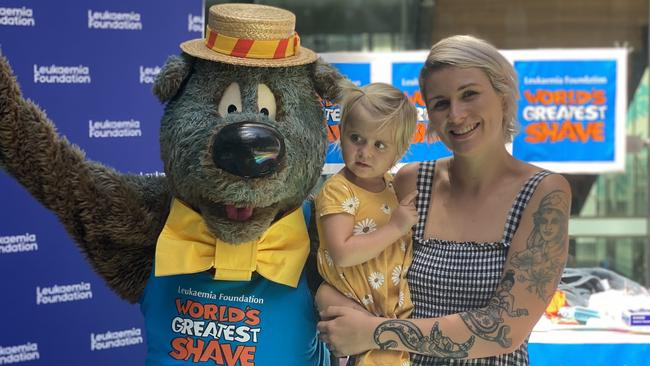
(405, 215)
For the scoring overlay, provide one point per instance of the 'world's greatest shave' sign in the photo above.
(571, 110)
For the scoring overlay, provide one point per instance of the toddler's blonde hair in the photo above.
(389, 104)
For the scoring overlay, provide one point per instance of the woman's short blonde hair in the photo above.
(388, 104)
(466, 51)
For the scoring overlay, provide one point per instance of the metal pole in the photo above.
(404, 27)
(646, 261)
(647, 179)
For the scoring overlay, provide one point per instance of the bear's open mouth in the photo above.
(238, 213)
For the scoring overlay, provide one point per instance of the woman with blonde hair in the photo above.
(476, 286)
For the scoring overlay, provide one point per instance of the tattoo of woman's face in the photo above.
(550, 225)
(537, 264)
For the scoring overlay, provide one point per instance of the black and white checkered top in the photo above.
(449, 277)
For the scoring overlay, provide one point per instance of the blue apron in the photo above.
(194, 319)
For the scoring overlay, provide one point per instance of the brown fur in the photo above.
(116, 218)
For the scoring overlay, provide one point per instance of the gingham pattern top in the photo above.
(449, 277)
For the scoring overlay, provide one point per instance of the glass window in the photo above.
(396, 25)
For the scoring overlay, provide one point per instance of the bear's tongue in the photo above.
(238, 213)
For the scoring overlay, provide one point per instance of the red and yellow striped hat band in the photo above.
(250, 35)
(252, 48)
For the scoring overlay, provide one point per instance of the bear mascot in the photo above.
(215, 250)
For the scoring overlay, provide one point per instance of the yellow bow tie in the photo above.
(185, 245)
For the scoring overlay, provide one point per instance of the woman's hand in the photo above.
(347, 331)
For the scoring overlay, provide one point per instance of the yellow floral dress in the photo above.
(380, 283)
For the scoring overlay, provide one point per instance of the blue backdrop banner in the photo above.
(572, 105)
(90, 65)
(359, 74)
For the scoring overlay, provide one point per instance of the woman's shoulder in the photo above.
(548, 181)
(550, 178)
(405, 179)
(408, 170)
(411, 170)
(554, 182)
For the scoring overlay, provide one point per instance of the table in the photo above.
(578, 346)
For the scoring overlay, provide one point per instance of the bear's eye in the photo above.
(230, 100)
(266, 101)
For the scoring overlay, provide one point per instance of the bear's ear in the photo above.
(326, 80)
(169, 80)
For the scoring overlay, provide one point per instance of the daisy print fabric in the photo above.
(380, 283)
(364, 226)
(350, 205)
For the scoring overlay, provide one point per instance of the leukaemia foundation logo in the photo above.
(194, 23)
(56, 74)
(18, 243)
(114, 128)
(148, 74)
(226, 334)
(115, 339)
(63, 293)
(114, 20)
(19, 353)
(17, 17)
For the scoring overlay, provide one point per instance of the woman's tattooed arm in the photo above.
(531, 271)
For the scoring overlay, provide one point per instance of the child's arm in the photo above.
(348, 250)
(327, 296)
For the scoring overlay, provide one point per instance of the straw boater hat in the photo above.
(250, 35)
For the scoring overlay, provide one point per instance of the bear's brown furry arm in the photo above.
(115, 219)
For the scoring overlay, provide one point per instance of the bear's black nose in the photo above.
(248, 149)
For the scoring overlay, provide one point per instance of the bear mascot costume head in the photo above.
(215, 250)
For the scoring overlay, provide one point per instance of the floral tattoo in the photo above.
(434, 345)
